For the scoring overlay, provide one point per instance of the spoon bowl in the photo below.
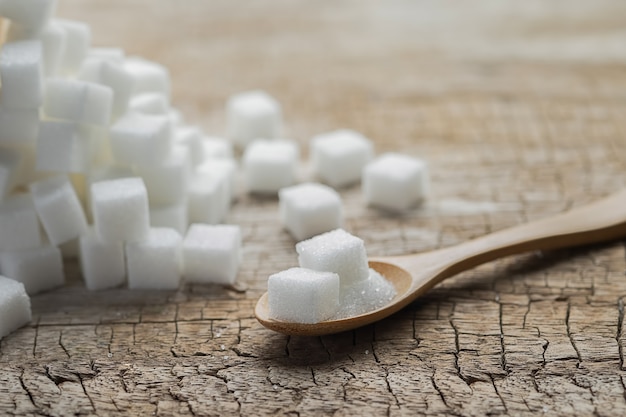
(413, 275)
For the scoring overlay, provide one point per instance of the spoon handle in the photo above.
(599, 221)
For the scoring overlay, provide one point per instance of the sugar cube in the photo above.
(102, 263)
(338, 157)
(216, 148)
(168, 182)
(149, 103)
(78, 101)
(120, 209)
(395, 182)
(148, 77)
(10, 160)
(368, 295)
(174, 216)
(335, 251)
(191, 138)
(19, 225)
(77, 41)
(309, 209)
(39, 269)
(253, 115)
(270, 165)
(155, 262)
(19, 126)
(21, 74)
(303, 295)
(14, 306)
(63, 147)
(59, 209)
(222, 167)
(110, 73)
(29, 13)
(140, 139)
(212, 253)
(208, 197)
(52, 37)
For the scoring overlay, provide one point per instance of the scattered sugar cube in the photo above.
(110, 74)
(395, 182)
(253, 115)
(10, 160)
(78, 101)
(21, 74)
(336, 251)
(102, 263)
(52, 37)
(19, 126)
(59, 209)
(150, 103)
(309, 209)
(120, 209)
(174, 216)
(303, 295)
(208, 197)
(148, 77)
(270, 165)
(39, 269)
(77, 41)
(191, 138)
(216, 148)
(14, 306)
(338, 157)
(140, 139)
(107, 172)
(222, 166)
(63, 147)
(19, 224)
(29, 13)
(155, 262)
(168, 182)
(212, 254)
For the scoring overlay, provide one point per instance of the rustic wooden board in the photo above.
(520, 111)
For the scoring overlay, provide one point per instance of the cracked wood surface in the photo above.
(518, 118)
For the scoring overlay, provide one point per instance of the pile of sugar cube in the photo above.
(333, 281)
(95, 163)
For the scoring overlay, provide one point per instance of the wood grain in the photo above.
(519, 110)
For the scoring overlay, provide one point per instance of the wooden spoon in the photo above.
(413, 275)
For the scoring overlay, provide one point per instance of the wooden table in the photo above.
(520, 110)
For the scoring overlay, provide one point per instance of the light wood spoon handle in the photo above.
(600, 221)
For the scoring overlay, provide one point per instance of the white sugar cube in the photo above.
(19, 126)
(120, 209)
(303, 295)
(107, 172)
(113, 75)
(253, 115)
(109, 54)
(39, 269)
(174, 216)
(208, 197)
(270, 165)
(336, 251)
(141, 139)
(338, 157)
(168, 182)
(222, 167)
(14, 306)
(78, 101)
(395, 182)
(10, 160)
(102, 263)
(212, 254)
(21, 74)
(191, 138)
(59, 209)
(148, 77)
(29, 13)
(309, 209)
(77, 42)
(216, 148)
(155, 262)
(368, 295)
(52, 37)
(63, 147)
(149, 103)
(19, 224)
